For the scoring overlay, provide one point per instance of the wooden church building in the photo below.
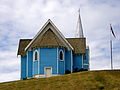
(49, 53)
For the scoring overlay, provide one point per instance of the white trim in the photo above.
(45, 70)
(39, 61)
(57, 60)
(33, 66)
(34, 55)
(27, 66)
(56, 31)
(64, 61)
(71, 61)
(62, 54)
(43, 76)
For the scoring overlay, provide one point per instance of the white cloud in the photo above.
(23, 19)
(5, 77)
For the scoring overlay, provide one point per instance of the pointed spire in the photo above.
(79, 27)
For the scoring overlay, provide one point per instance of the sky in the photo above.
(22, 19)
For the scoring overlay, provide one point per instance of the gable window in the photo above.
(61, 55)
(36, 55)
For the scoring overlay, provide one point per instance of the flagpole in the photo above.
(111, 55)
(111, 52)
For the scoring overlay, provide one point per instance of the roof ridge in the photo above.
(47, 25)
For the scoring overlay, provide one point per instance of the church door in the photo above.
(48, 71)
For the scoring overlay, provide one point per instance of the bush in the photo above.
(82, 69)
(79, 70)
(25, 78)
(76, 70)
(67, 72)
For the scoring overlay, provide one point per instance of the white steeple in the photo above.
(79, 33)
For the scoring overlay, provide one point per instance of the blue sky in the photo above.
(24, 18)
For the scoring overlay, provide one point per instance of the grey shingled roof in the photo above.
(79, 44)
(50, 40)
(22, 45)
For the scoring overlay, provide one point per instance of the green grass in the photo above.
(88, 80)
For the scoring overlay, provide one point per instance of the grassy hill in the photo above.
(88, 80)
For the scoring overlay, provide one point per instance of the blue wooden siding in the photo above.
(86, 60)
(68, 59)
(48, 58)
(71, 61)
(35, 68)
(86, 66)
(86, 57)
(77, 62)
(23, 66)
(61, 64)
(29, 62)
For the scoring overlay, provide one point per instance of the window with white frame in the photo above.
(36, 55)
(61, 55)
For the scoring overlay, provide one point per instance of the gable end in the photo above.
(57, 33)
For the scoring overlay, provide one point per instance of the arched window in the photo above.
(36, 55)
(61, 55)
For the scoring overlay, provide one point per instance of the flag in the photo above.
(112, 31)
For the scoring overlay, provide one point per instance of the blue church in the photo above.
(49, 53)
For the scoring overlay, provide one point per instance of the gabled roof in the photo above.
(50, 36)
(79, 45)
(22, 45)
(50, 28)
(48, 39)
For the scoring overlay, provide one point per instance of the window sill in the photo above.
(61, 60)
(35, 60)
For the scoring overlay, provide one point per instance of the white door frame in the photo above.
(45, 70)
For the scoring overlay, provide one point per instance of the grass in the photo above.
(88, 80)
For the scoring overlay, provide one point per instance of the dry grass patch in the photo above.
(88, 80)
